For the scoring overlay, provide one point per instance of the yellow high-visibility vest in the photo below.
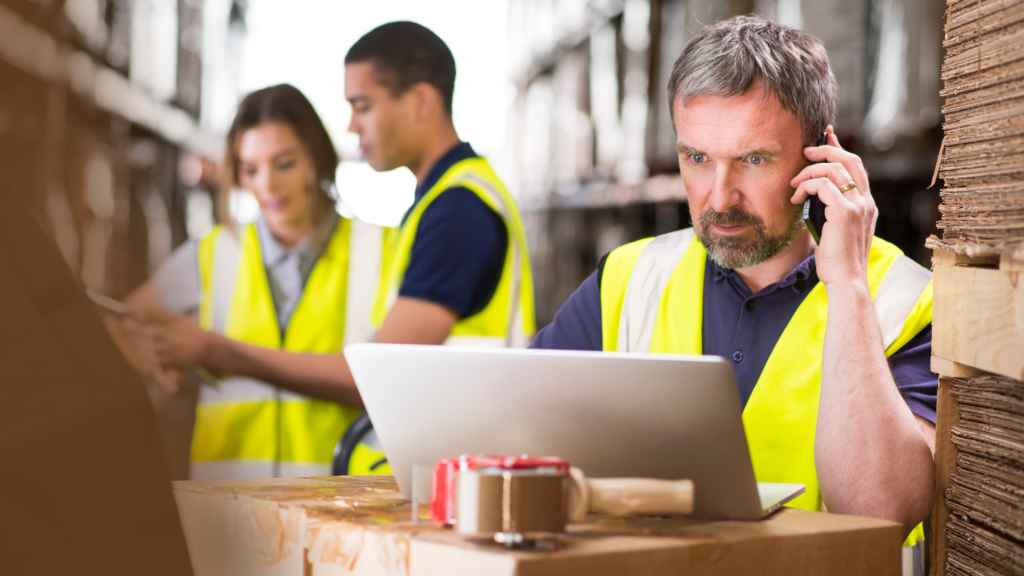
(508, 318)
(652, 301)
(249, 429)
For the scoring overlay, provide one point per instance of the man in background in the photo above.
(456, 269)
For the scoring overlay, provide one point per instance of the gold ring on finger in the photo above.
(848, 186)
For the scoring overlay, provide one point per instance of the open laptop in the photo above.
(610, 414)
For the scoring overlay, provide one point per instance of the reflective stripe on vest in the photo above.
(249, 429)
(652, 302)
(508, 318)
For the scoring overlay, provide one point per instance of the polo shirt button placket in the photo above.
(737, 356)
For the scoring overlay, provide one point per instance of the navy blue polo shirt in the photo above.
(744, 328)
(459, 249)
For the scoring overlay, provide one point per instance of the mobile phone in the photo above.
(814, 208)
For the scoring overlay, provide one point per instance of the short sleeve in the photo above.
(458, 253)
(911, 368)
(176, 280)
(577, 325)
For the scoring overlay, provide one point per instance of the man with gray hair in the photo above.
(830, 340)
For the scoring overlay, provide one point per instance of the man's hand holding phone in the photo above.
(839, 180)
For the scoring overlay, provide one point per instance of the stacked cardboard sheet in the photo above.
(983, 162)
(986, 491)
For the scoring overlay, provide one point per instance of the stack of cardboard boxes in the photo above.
(978, 328)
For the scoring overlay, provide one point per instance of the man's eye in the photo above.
(284, 164)
(697, 158)
(756, 160)
(250, 172)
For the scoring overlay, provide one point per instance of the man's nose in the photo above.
(353, 125)
(724, 194)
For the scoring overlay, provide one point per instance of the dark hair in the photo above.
(283, 103)
(726, 58)
(404, 54)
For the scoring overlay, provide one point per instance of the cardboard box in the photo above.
(362, 526)
(85, 483)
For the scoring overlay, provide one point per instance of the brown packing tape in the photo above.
(510, 501)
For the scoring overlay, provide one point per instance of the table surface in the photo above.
(330, 520)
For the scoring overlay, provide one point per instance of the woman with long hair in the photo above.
(254, 304)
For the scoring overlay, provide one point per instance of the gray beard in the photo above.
(743, 252)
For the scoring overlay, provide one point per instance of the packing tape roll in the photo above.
(494, 500)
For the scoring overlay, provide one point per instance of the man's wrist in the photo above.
(848, 291)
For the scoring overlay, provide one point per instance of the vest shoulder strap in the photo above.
(219, 254)
(477, 175)
(897, 302)
(647, 283)
(365, 257)
(226, 256)
(644, 268)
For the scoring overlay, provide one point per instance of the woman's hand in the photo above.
(842, 255)
(179, 342)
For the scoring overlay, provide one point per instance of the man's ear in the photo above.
(427, 100)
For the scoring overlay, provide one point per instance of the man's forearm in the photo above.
(325, 376)
(871, 457)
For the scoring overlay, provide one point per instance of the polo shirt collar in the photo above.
(309, 247)
(456, 154)
(801, 277)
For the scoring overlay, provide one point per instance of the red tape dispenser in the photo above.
(509, 496)
(500, 494)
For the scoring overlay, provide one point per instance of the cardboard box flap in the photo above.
(86, 484)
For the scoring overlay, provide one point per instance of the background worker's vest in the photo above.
(508, 318)
(652, 301)
(249, 429)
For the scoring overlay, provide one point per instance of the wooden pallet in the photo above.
(946, 416)
(977, 328)
(978, 315)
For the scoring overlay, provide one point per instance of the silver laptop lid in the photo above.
(611, 414)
